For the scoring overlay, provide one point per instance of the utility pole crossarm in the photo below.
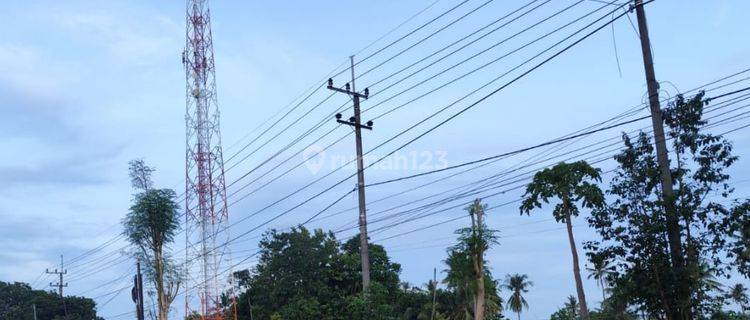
(348, 90)
(60, 284)
(353, 123)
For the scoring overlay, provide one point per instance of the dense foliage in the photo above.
(303, 274)
(632, 227)
(17, 302)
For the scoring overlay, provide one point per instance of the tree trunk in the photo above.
(479, 269)
(159, 278)
(577, 272)
(479, 312)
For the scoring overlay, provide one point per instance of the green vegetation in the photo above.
(303, 274)
(17, 302)
(150, 225)
(632, 226)
(517, 284)
(571, 183)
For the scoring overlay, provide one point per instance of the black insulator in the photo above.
(352, 119)
(367, 92)
(347, 86)
(338, 116)
(369, 123)
(330, 82)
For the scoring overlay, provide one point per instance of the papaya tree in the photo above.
(570, 183)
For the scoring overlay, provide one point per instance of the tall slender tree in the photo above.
(517, 284)
(150, 225)
(571, 183)
(468, 274)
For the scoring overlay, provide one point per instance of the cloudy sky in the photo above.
(86, 86)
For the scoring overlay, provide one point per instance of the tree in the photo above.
(632, 225)
(518, 284)
(571, 183)
(17, 301)
(467, 273)
(738, 294)
(569, 311)
(303, 274)
(599, 272)
(151, 224)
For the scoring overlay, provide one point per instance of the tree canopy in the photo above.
(632, 227)
(17, 302)
(309, 274)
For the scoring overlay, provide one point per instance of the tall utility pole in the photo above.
(356, 122)
(60, 284)
(673, 225)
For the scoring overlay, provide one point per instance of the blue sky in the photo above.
(87, 86)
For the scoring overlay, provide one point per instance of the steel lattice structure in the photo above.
(207, 255)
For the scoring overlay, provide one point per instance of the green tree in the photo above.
(304, 274)
(632, 225)
(569, 311)
(150, 225)
(571, 183)
(294, 267)
(468, 274)
(517, 284)
(17, 301)
(738, 294)
(599, 272)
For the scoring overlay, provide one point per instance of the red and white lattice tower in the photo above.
(207, 257)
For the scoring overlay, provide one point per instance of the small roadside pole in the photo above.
(34, 307)
(434, 292)
(137, 292)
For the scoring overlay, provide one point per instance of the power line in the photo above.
(422, 216)
(723, 121)
(727, 77)
(435, 127)
(733, 119)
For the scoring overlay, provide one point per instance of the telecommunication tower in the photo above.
(207, 255)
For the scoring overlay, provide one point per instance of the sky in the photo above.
(86, 86)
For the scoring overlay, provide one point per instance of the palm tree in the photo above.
(517, 284)
(571, 183)
(738, 294)
(571, 307)
(599, 272)
(707, 278)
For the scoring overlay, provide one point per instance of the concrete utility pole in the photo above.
(673, 225)
(60, 284)
(356, 122)
(34, 307)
